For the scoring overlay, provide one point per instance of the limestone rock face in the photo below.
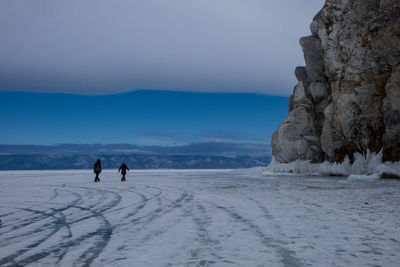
(348, 96)
(288, 145)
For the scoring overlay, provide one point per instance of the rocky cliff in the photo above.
(347, 99)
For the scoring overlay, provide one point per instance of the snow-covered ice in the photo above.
(196, 218)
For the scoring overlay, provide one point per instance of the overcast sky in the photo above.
(113, 46)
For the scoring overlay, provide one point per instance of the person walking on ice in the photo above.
(123, 169)
(97, 170)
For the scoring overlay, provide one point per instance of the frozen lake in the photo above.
(196, 218)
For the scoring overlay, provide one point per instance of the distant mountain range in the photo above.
(78, 156)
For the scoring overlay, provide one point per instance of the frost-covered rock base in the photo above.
(368, 166)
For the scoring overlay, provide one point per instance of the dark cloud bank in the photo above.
(101, 47)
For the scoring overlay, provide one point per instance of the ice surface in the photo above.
(367, 166)
(196, 218)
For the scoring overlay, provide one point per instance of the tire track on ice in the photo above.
(57, 224)
(162, 210)
(175, 204)
(200, 256)
(148, 220)
(105, 231)
(287, 256)
(88, 256)
(142, 204)
(142, 197)
(59, 250)
(40, 215)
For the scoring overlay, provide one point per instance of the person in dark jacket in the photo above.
(97, 170)
(123, 170)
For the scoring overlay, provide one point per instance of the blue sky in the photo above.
(140, 117)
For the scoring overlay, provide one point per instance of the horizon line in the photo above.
(148, 90)
(133, 144)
